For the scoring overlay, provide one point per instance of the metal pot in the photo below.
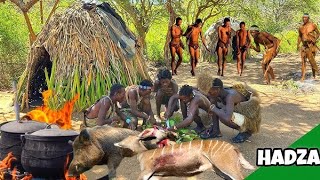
(45, 151)
(10, 137)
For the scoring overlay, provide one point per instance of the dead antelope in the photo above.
(188, 159)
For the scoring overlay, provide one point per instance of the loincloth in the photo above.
(248, 112)
(243, 49)
(308, 47)
(177, 46)
(195, 46)
(221, 45)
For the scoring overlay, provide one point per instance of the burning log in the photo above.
(7, 173)
(7, 161)
(66, 174)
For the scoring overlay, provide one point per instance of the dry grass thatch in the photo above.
(81, 43)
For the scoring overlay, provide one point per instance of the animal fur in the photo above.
(250, 109)
(95, 146)
(189, 159)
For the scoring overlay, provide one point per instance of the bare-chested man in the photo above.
(193, 33)
(243, 43)
(137, 105)
(224, 35)
(237, 107)
(176, 45)
(103, 111)
(271, 45)
(190, 101)
(165, 87)
(308, 35)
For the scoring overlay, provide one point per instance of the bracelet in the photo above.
(212, 106)
(128, 120)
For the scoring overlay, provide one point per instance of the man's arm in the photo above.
(238, 41)
(271, 38)
(120, 114)
(192, 110)
(317, 31)
(134, 108)
(203, 41)
(248, 39)
(299, 39)
(257, 48)
(102, 113)
(227, 114)
(171, 104)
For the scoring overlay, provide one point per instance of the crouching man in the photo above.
(237, 107)
(190, 102)
(165, 87)
(104, 111)
(137, 105)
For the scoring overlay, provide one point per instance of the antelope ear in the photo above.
(84, 136)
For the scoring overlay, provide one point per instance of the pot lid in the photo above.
(22, 126)
(54, 131)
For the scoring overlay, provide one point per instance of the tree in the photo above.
(142, 13)
(25, 7)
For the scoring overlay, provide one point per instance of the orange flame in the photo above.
(7, 161)
(66, 175)
(27, 177)
(60, 117)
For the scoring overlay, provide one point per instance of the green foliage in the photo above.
(184, 134)
(288, 41)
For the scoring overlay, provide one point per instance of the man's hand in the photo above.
(132, 126)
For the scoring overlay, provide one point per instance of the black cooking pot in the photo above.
(45, 151)
(10, 137)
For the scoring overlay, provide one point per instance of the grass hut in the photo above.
(83, 50)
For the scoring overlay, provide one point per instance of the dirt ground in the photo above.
(287, 113)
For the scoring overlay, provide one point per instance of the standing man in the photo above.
(243, 43)
(176, 45)
(224, 35)
(308, 34)
(271, 45)
(192, 34)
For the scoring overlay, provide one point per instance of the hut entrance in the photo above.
(38, 80)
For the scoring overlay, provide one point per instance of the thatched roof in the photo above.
(87, 39)
(211, 37)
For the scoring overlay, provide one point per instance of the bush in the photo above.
(288, 41)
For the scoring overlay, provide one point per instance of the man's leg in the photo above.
(173, 58)
(179, 52)
(219, 62)
(303, 64)
(214, 130)
(313, 63)
(224, 59)
(197, 56)
(192, 56)
(243, 60)
(159, 97)
(146, 107)
(197, 119)
(239, 63)
(265, 66)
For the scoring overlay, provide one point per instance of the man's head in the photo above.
(305, 18)
(216, 88)
(254, 29)
(242, 25)
(186, 93)
(178, 21)
(145, 87)
(226, 22)
(198, 22)
(117, 91)
(165, 77)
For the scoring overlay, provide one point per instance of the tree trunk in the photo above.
(172, 16)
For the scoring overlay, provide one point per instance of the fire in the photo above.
(66, 175)
(60, 117)
(7, 161)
